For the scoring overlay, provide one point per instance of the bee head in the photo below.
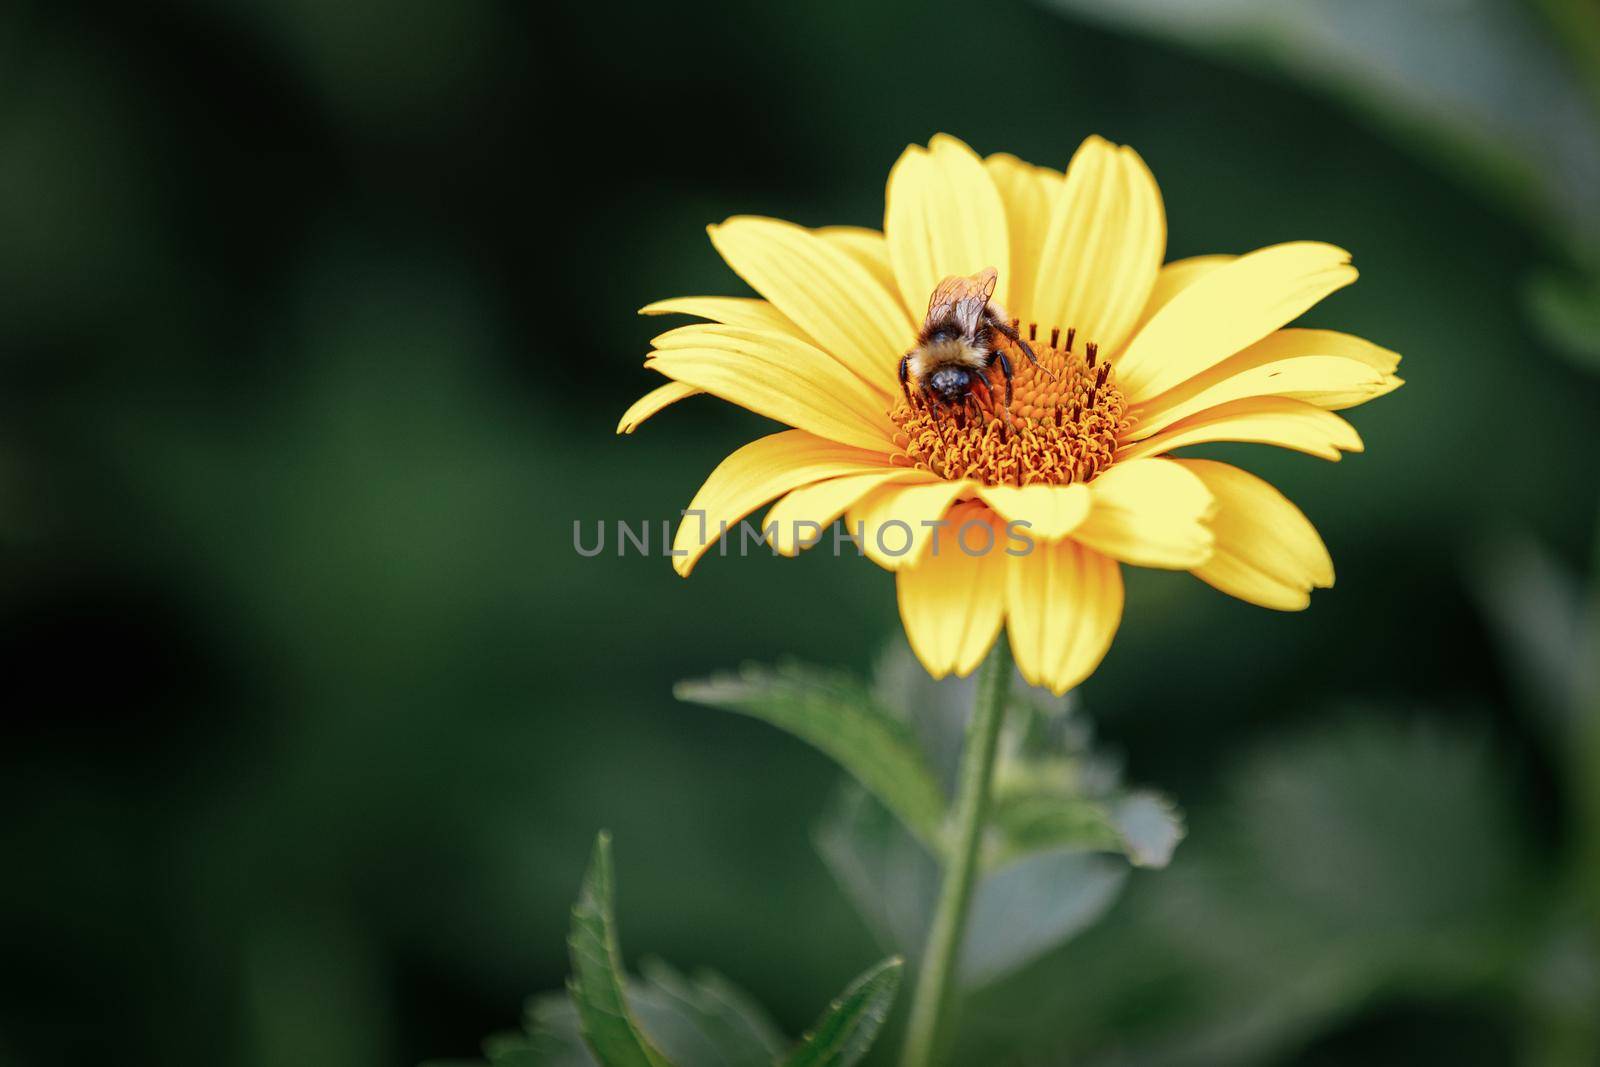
(950, 384)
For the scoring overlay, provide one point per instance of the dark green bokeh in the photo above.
(315, 322)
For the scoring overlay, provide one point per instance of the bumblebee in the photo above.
(959, 342)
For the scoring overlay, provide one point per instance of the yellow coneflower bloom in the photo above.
(1136, 359)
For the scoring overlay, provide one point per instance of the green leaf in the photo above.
(1059, 806)
(514, 1050)
(1358, 860)
(1032, 821)
(838, 715)
(1484, 86)
(1142, 825)
(887, 875)
(1053, 791)
(596, 985)
(707, 1022)
(847, 1029)
(699, 1020)
(1019, 912)
(936, 709)
(704, 1020)
(1150, 827)
(1032, 906)
(554, 1032)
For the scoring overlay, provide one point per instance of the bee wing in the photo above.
(962, 298)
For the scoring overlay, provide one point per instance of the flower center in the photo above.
(1060, 430)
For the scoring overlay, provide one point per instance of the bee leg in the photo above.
(1005, 369)
(1035, 359)
(1015, 338)
(994, 402)
(905, 368)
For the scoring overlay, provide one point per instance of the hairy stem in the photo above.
(934, 998)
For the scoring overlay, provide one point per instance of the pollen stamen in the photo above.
(1063, 425)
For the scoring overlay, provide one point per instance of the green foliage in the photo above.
(1142, 825)
(840, 717)
(1497, 97)
(514, 1050)
(1019, 912)
(291, 453)
(1364, 856)
(693, 1020)
(1032, 907)
(666, 1018)
(1547, 620)
(847, 1029)
(1027, 822)
(707, 1009)
(1053, 791)
(1062, 837)
(596, 985)
(1057, 856)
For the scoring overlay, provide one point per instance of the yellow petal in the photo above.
(1063, 604)
(1301, 342)
(823, 290)
(802, 514)
(1026, 191)
(1329, 382)
(763, 469)
(897, 520)
(1331, 370)
(652, 402)
(866, 247)
(952, 603)
(776, 375)
(1050, 512)
(1150, 512)
(1107, 234)
(1174, 278)
(1267, 552)
(729, 310)
(943, 216)
(1227, 309)
(1265, 420)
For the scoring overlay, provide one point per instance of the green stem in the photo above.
(930, 1006)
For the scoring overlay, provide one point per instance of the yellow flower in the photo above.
(1187, 353)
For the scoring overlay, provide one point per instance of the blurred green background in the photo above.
(316, 320)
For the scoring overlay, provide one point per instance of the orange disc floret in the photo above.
(1062, 426)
